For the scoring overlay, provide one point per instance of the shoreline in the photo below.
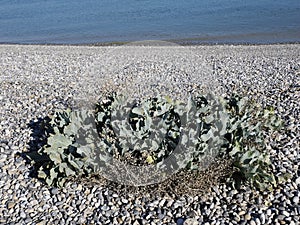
(180, 42)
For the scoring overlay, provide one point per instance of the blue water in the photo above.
(194, 21)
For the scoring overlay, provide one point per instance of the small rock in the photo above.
(79, 187)
(136, 223)
(34, 202)
(257, 221)
(115, 195)
(105, 208)
(23, 215)
(247, 216)
(180, 221)
(242, 222)
(287, 214)
(242, 213)
(216, 190)
(237, 218)
(87, 212)
(170, 203)
(177, 204)
(191, 213)
(10, 205)
(82, 207)
(281, 217)
(162, 202)
(161, 216)
(190, 221)
(296, 200)
(54, 191)
(262, 218)
(28, 220)
(41, 223)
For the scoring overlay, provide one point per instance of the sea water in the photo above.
(191, 21)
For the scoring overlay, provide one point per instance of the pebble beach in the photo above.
(37, 79)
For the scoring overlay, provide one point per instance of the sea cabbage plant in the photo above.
(232, 128)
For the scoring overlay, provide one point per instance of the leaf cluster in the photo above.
(149, 131)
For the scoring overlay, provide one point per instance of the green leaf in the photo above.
(236, 149)
(42, 174)
(55, 157)
(150, 159)
(59, 141)
(138, 111)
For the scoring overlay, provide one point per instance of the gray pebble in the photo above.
(247, 216)
(285, 213)
(54, 191)
(105, 208)
(180, 221)
(190, 221)
(262, 218)
(296, 200)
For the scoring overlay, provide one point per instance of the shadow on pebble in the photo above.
(41, 130)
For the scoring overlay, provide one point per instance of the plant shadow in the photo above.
(40, 131)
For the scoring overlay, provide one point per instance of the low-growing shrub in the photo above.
(80, 142)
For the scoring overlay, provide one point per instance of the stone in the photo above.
(247, 216)
(23, 215)
(296, 200)
(105, 208)
(160, 216)
(136, 223)
(241, 213)
(34, 202)
(262, 218)
(54, 191)
(10, 205)
(285, 213)
(180, 221)
(190, 221)
(252, 222)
